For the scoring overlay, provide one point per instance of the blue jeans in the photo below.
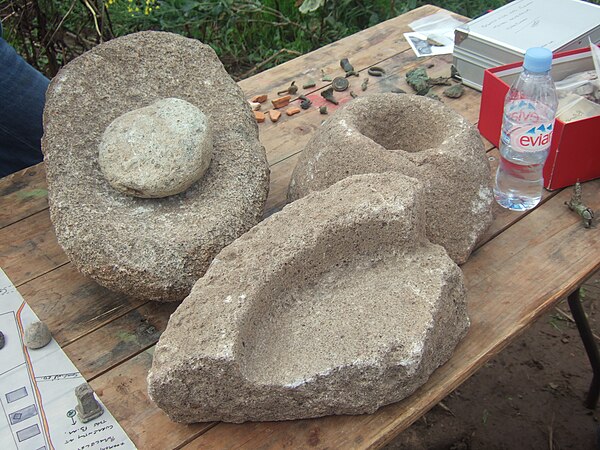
(22, 97)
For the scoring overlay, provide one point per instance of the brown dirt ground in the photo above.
(530, 396)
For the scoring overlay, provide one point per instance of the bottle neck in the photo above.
(530, 74)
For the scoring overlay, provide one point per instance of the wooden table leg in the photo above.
(590, 347)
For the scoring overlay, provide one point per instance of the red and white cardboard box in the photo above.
(575, 149)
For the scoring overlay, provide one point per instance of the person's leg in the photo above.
(22, 96)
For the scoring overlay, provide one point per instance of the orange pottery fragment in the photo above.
(274, 115)
(281, 101)
(260, 116)
(260, 98)
(292, 111)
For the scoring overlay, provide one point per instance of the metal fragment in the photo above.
(455, 91)
(325, 77)
(398, 91)
(433, 96)
(309, 84)
(323, 110)
(353, 95)
(417, 79)
(345, 64)
(305, 103)
(454, 73)
(327, 94)
(576, 204)
(376, 71)
(364, 84)
(444, 81)
(340, 84)
(348, 68)
(292, 89)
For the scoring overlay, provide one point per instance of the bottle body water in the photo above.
(527, 125)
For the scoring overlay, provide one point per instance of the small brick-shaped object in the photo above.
(274, 115)
(281, 101)
(292, 111)
(260, 98)
(260, 116)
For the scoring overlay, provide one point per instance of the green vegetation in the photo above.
(248, 35)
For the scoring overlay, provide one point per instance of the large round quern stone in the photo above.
(158, 150)
(415, 136)
(150, 248)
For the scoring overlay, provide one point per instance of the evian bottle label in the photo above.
(531, 137)
(531, 132)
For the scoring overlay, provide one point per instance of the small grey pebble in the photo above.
(37, 335)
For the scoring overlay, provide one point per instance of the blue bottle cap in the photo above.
(537, 59)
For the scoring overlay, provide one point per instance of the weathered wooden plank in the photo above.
(22, 194)
(73, 305)
(119, 340)
(28, 248)
(511, 281)
(124, 392)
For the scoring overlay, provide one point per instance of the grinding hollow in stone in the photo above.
(37, 335)
(158, 150)
(149, 248)
(338, 304)
(415, 136)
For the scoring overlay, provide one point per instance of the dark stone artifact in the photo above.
(418, 79)
(2, 341)
(88, 408)
(327, 94)
(455, 91)
(340, 84)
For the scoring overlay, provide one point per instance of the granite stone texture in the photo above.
(338, 304)
(158, 150)
(37, 335)
(415, 136)
(149, 248)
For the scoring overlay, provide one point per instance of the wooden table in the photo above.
(525, 263)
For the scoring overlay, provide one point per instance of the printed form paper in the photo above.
(37, 391)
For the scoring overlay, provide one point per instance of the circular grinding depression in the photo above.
(149, 248)
(415, 136)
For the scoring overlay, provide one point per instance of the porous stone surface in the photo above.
(158, 150)
(338, 304)
(415, 136)
(88, 408)
(37, 335)
(149, 248)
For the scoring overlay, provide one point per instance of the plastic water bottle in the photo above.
(529, 112)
